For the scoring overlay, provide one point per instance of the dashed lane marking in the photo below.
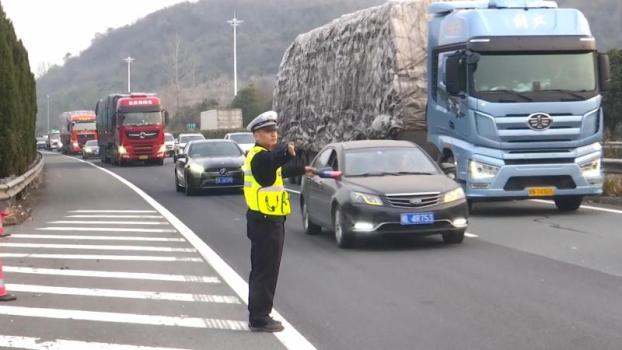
(100, 247)
(115, 211)
(112, 274)
(115, 216)
(30, 343)
(591, 207)
(97, 222)
(105, 229)
(127, 294)
(97, 238)
(100, 257)
(127, 318)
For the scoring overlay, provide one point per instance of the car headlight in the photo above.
(196, 168)
(591, 169)
(365, 198)
(122, 150)
(453, 195)
(75, 144)
(162, 149)
(480, 171)
(87, 149)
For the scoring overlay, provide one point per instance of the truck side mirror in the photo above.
(603, 71)
(452, 74)
(165, 115)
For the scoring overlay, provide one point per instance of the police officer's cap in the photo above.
(264, 120)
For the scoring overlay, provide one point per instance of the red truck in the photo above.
(130, 128)
(78, 127)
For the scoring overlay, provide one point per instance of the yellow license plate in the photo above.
(541, 191)
(143, 157)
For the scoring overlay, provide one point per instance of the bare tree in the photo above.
(181, 66)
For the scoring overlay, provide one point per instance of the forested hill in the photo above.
(184, 52)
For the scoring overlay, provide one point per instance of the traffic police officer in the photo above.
(268, 204)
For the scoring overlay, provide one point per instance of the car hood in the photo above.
(384, 185)
(220, 162)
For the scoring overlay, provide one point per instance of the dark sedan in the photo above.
(90, 149)
(209, 164)
(386, 187)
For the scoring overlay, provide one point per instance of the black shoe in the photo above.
(270, 325)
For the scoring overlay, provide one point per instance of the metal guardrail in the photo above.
(17, 185)
(612, 166)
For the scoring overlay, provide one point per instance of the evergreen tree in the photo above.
(613, 96)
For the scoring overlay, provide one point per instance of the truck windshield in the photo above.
(569, 75)
(142, 118)
(84, 126)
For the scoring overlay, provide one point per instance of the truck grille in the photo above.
(414, 200)
(143, 135)
(515, 128)
(519, 183)
(230, 171)
(142, 149)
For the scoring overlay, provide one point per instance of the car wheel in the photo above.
(454, 237)
(343, 237)
(83, 157)
(568, 203)
(190, 191)
(309, 227)
(175, 158)
(177, 185)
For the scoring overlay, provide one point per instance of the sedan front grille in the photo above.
(414, 200)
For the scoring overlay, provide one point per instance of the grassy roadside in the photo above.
(612, 186)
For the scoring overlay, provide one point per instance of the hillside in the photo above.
(184, 52)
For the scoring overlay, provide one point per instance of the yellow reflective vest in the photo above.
(269, 200)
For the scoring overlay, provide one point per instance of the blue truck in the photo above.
(506, 94)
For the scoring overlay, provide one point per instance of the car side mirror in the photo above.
(452, 75)
(604, 71)
(448, 167)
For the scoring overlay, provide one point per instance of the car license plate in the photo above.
(417, 219)
(224, 180)
(541, 191)
(143, 157)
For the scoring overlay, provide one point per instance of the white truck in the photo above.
(217, 119)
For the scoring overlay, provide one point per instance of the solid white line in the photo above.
(290, 337)
(105, 229)
(470, 235)
(111, 274)
(72, 222)
(118, 317)
(607, 210)
(99, 257)
(114, 211)
(30, 343)
(100, 247)
(116, 216)
(128, 294)
(98, 238)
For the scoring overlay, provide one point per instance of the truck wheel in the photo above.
(309, 227)
(343, 237)
(454, 237)
(159, 162)
(568, 203)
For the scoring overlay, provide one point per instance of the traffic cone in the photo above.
(3, 214)
(4, 296)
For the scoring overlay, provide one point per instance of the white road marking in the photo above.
(105, 229)
(100, 247)
(292, 191)
(115, 211)
(290, 337)
(128, 294)
(118, 317)
(115, 216)
(111, 274)
(30, 343)
(97, 238)
(95, 222)
(591, 207)
(470, 235)
(99, 257)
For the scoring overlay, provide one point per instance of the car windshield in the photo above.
(168, 138)
(535, 72)
(84, 126)
(142, 118)
(188, 138)
(91, 143)
(214, 149)
(384, 162)
(243, 138)
(54, 136)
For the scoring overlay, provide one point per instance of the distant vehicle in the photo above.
(245, 140)
(78, 127)
(209, 164)
(221, 119)
(182, 140)
(41, 142)
(53, 141)
(387, 187)
(130, 127)
(90, 149)
(169, 142)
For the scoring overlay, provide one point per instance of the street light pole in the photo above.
(47, 97)
(129, 61)
(234, 22)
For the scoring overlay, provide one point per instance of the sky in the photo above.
(51, 28)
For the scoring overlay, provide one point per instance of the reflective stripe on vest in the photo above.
(269, 200)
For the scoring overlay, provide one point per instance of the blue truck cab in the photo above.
(514, 99)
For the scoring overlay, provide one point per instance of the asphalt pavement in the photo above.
(526, 277)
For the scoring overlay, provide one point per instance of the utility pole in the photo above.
(47, 97)
(234, 22)
(129, 61)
